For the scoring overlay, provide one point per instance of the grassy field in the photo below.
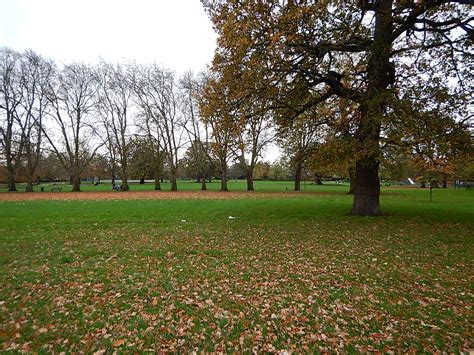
(290, 272)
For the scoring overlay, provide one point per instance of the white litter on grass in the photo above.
(183, 220)
(230, 217)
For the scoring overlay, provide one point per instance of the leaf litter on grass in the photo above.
(241, 287)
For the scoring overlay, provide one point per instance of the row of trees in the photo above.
(80, 111)
(126, 119)
(141, 169)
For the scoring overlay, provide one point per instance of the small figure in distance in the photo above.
(115, 187)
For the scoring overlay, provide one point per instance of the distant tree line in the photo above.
(132, 121)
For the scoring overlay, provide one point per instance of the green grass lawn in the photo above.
(291, 272)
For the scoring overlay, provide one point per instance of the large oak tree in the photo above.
(303, 48)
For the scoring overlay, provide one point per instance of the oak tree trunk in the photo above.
(367, 189)
(380, 74)
(203, 183)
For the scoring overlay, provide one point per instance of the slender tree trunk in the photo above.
(11, 177)
(445, 183)
(423, 185)
(76, 183)
(157, 180)
(29, 179)
(113, 174)
(31, 165)
(224, 178)
(7, 141)
(173, 180)
(298, 174)
(250, 180)
(203, 183)
(157, 185)
(352, 178)
(125, 186)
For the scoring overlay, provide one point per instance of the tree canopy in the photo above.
(302, 54)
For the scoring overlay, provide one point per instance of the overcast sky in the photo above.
(174, 33)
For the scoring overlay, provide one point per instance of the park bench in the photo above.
(56, 189)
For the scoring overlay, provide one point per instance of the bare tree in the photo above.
(156, 95)
(10, 100)
(111, 148)
(254, 135)
(114, 103)
(148, 143)
(72, 138)
(35, 74)
(197, 129)
(218, 113)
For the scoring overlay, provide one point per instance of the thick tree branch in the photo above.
(322, 48)
(413, 17)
